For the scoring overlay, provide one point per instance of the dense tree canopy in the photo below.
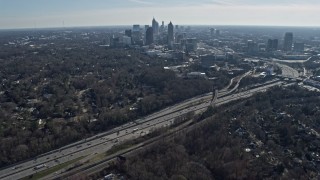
(266, 136)
(55, 90)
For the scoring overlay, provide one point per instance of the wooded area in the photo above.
(52, 94)
(270, 135)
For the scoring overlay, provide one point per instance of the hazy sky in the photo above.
(52, 13)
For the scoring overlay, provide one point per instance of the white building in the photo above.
(126, 40)
(196, 75)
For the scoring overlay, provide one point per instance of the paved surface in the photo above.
(292, 61)
(104, 141)
(288, 72)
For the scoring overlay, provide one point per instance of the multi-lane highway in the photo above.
(288, 71)
(104, 141)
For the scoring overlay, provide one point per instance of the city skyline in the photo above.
(42, 14)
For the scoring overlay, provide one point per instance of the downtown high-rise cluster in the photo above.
(172, 36)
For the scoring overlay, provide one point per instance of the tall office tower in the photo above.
(146, 27)
(136, 35)
(149, 36)
(155, 26)
(128, 32)
(250, 46)
(170, 33)
(288, 40)
(272, 44)
(126, 40)
(136, 28)
(211, 32)
(217, 32)
(161, 29)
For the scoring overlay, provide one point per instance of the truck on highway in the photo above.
(39, 166)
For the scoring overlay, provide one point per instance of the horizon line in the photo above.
(123, 25)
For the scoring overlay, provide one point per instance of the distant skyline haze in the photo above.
(71, 13)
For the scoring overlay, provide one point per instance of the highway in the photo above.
(292, 61)
(198, 109)
(202, 98)
(104, 141)
(288, 72)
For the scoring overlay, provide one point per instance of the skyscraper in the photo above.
(251, 45)
(161, 29)
(128, 32)
(272, 45)
(149, 36)
(217, 32)
(211, 32)
(155, 26)
(136, 35)
(170, 33)
(136, 28)
(288, 40)
(146, 27)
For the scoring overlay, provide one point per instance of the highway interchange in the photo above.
(104, 141)
(288, 71)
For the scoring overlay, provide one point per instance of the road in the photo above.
(104, 141)
(288, 72)
(200, 108)
(202, 98)
(292, 61)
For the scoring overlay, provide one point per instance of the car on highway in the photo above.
(16, 167)
(134, 130)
